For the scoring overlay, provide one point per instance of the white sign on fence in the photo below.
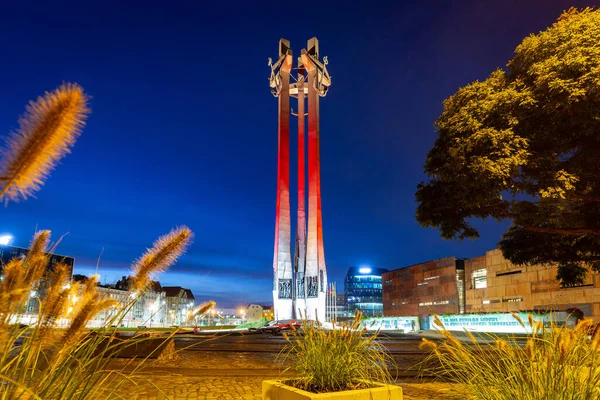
(498, 322)
(405, 324)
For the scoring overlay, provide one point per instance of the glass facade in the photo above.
(364, 291)
(7, 253)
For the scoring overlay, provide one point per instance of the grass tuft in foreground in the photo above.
(56, 357)
(555, 363)
(331, 360)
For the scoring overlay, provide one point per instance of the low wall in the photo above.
(499, 322)
(402, 324)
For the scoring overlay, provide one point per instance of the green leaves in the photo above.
(524, 144)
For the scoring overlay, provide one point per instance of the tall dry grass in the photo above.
(47, 132)
(553, 363)
(49, 361)
(338, 359)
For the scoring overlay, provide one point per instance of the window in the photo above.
(437, 303)
(504, 273)
(576, 286)
(430, 278)
(429, 303)
(479, 278)
(512, 300)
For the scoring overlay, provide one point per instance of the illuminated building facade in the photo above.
(364, 291)
(7, 253)
(299, 286)
(485, 284)
(496, 285)
(179, 303)
(432, 287)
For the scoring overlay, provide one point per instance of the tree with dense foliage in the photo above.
(524, 145)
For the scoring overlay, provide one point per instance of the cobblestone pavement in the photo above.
(180, 387)
(221, 375)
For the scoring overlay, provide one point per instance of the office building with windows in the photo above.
(363, 290)
(8, 253)
(497, 285)
(485, 284)
(179, 303)
(431, 287)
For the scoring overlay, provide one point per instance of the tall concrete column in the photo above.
(300, 289)
(300, 303)
(282, 262)
(316, 274)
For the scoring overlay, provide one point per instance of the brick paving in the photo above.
(203, 375)
(180, 387)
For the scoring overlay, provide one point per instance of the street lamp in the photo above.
(153, 310)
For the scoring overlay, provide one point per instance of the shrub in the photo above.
(555, 363)
(343, 358)
(45, 361)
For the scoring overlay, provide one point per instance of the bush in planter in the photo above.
(343, 358)
(555, 363)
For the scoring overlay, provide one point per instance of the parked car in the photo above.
(277, 326)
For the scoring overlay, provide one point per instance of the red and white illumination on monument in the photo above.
(299, 290)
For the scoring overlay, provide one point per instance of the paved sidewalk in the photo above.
(180, 387)
(201, 375)
(162, 386)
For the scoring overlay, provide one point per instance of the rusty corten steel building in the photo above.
(431, 287)
(484, 284)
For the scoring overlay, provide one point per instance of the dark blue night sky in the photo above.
(184, 129)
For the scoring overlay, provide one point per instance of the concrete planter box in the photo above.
(275, 390)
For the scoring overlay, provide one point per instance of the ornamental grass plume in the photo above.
(36, 258)
(164, 252)
(56, 357)
(21, 277)
(555, 362)
(47, 131)
(200, 310)
(338, 359)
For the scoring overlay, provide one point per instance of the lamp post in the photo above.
(153, 310)
(5, 240)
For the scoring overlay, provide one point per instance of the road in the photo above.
(273, 343)
(235, 350)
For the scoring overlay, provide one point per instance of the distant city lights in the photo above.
(364, 270)
(5, 240)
